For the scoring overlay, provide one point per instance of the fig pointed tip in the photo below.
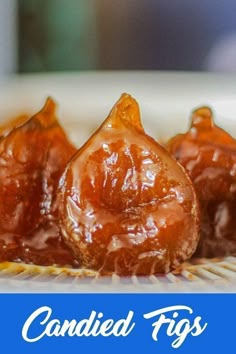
(127, 99)
(50, 106)
(127, 109)
(202, 116)
(47, 116)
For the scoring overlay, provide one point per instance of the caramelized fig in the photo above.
(32, 159)
(11, 124)
(208, 154)
(125, 205)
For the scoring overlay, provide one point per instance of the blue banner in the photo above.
(117, 323)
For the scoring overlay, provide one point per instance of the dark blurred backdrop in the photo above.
(127, 34)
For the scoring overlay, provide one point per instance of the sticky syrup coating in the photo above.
(7, 126)
(208, 154)
(126, 206)
(33, 154)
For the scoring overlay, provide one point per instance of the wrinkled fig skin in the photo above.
(32, 158)
(126, 206)
(208, 154)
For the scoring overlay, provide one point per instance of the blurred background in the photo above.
(62, 35)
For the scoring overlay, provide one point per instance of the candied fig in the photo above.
(32, 159)
(8, 126)
(126, 206)
(208, 154)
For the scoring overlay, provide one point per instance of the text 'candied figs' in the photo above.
(33, 156)
(126, 206)
(208, 154)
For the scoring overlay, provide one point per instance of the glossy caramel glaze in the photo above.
(32, 158)
(9, 125)
(125, 205)
(208, 154)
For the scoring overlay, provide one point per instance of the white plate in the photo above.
(84, 101)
